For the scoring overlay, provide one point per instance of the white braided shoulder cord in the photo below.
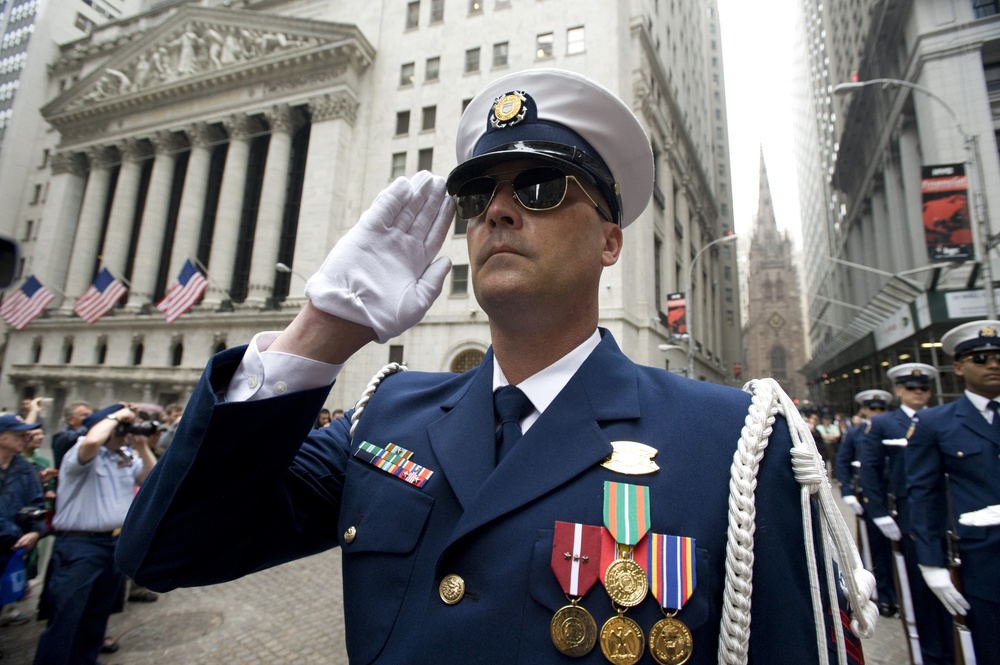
(359, 408)
(768, 401)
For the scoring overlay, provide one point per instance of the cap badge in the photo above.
(917, 372)
(988, 332)
(509, 109)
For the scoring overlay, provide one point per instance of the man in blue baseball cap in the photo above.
(452, 496)
(953, 469)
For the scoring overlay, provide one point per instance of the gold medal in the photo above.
(626, 583)
(573, 630)
(670, 642)
(622, 640)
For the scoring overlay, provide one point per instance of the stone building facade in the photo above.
(775, 339)
(248, 134)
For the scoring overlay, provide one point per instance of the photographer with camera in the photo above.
(97, 480)
(22, 503)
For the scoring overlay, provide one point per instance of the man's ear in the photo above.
(612, 244)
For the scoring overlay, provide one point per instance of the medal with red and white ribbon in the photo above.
(576, 560)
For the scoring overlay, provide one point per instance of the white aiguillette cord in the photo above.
(768, 401)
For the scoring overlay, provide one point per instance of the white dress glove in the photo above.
(888, 527)
(382, 273)
(854, 504)
(939, 581)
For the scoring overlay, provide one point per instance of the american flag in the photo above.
(25, 304)
(184, 293)
(100, 297)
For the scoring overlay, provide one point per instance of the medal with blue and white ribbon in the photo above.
(672, 579)
(576, 560)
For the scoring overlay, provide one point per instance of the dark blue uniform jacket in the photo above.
(239, 491)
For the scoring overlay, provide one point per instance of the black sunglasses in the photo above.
(537, 188)
(982, 358)
(919, 389)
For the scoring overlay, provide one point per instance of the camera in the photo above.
(140, 427)
(27, 515)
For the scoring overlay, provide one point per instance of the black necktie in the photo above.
(993, 405)
(511, 406)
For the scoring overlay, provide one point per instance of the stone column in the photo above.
(192, 206)
(86, 242)
(325, 212)
(150, 246)
(55, 233)
(118, 238)
(284, 122)
(227, 220)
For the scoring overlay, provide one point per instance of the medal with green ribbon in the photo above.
(626, 517)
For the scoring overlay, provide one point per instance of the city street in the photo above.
(290, 614)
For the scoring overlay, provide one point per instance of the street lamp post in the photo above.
(689, 300)
(281, 267)
(981, 235)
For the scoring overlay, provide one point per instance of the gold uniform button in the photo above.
(350, 535)
(452, 589)
(961, 454)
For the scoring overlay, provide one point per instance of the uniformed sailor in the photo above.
(961, 441)
(871, 403)
(883, 483)
(453, 543)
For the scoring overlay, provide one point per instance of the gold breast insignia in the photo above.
(631, 458)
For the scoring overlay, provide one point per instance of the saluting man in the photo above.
(470, 506)
(872, 403)
(962, 439)
(883, 482)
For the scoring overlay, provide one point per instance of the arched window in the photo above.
(466, 360)
(768, 290)
(779, 370)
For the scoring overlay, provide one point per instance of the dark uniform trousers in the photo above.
(491, 524)
(954, 438)
(879, 546)
(81, 588)
(883, 472)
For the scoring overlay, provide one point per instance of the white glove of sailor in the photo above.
(382, 273)
(888, 527)
(939, 581)
(854, 504)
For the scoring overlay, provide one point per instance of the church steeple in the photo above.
(765, 209)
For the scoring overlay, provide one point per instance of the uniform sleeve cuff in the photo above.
(263, 374)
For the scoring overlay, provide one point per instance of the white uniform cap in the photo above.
(912, 375)
(873, 397)
(972, 336)
(565, 118)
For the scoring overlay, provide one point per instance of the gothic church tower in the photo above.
(774, 336)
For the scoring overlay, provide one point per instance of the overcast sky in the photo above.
(757, 52)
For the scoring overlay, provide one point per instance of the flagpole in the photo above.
(118, 277)
(208, 276)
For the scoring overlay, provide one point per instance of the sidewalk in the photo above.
(290, 614)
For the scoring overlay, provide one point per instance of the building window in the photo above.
(137, 352)
(543, 46)
(472, 60)
(433, 69)
(83, 23)
(177, 354)
(36, 195)
(467, 360)
(36, 351)
(398, 165)
(500, 54)
(460, 280)
(984, 8)
(778, 369)
(575, 41)
(475, 6)
(28, 227)
(396, 353)
(68, 351)
(657, 274)
(437, 11)
(429, 118)
(425, 159)
(101, 353)
(45, 159)
(412, 15)
(402, 122)
(406, 74)
(461, 226)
